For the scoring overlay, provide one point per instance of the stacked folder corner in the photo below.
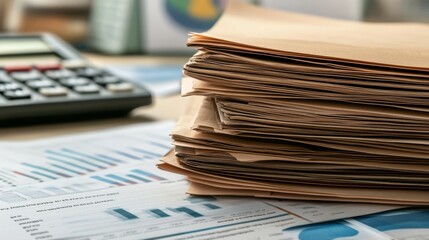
(292, 106)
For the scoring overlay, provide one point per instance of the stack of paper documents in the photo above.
(299, 107)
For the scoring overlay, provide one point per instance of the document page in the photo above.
(105, 185)
(158, 210)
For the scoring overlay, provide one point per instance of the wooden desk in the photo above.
(161, 109)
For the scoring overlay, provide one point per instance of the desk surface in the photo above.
(161, 109)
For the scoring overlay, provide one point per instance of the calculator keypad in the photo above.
(59, 74)
(88, 72)
(17, 94)
(120, 87)
(53, 81)
(53, 91)
(42, 83)
(87, 89)
(9, 87)
(74, 81)
(104, 80)
(26, 76)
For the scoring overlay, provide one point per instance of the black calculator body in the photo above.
(44, 79)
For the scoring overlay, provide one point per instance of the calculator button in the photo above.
(120, 87)
(53, 91)
(46, 67)
(87, 89)
(88, 72)
(36, 84)
(17, 94)
(104, 80)
(72, 82)
(59, 74)
(4, 78)
(9, 87)
(26, 76)
(18, 68)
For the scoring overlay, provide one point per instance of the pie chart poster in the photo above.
(166, 23)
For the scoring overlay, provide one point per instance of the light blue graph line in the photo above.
(87, 156)
(138, 178)
(110, 158)
(55, 190)
(147, 174)
(127, 155)
(46, 170)
(150, 154)
(75, 158)
(66, 169)
(44, 175)
(105, 180)
(119, 178)
(160, 145)
(70, 164)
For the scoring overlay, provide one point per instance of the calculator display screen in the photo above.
(22, 46)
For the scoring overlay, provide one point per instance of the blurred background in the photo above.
(161, 26)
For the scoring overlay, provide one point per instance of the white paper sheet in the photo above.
(105, 185)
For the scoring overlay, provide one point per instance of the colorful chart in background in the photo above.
(196, 15)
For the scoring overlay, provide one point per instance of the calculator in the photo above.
(43, 78)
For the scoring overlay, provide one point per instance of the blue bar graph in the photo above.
(110, 158)
(124, 214)
(199, 199)
(27, 175)
(87, 156)
(128, 155)
(138, 178)
(188, 211)
(44, 175)
(66, 169)
(211, 206)
(147, 174)
(70, 164)
(55, 190)
(108, 181)
(119, 178)
(160, 145)
(46, 170)
(146, 153)
(75, 158)
(158, 213)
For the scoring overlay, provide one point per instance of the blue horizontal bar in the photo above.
(125, 213)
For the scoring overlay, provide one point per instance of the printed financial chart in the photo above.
(161, 210)
(106, 185)
(86, 162)
(407, 224)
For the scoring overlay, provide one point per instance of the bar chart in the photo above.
(80, 155)
(162, 210)
(194, 211)
(124, 175)
(132, 176)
